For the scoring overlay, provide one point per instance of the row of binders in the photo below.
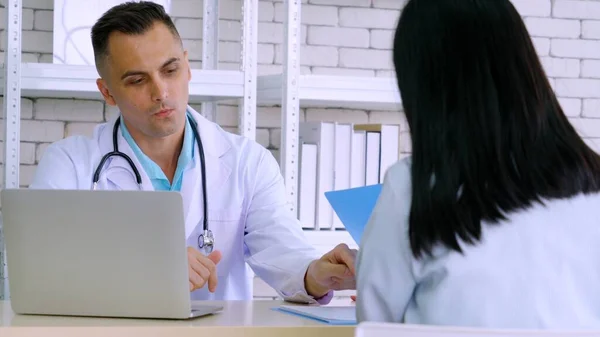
(337, 156)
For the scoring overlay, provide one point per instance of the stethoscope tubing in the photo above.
(207, 234)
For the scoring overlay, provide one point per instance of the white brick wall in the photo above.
(340, 37)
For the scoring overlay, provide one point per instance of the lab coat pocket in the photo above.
(227, 226)
(230, 214)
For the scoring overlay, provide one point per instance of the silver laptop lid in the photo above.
(96, 253)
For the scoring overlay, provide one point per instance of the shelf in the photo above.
(362, 93)
(74, 81)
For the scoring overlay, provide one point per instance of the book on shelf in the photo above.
(322, 135)
(343, 134)
(338, 156)
(383, 149)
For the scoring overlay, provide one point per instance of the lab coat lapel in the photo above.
(217, 173)
(191, 191)
(117, 170)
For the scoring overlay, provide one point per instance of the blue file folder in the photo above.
(354, 207)
(332, 315)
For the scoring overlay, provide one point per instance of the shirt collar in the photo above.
(153, 171)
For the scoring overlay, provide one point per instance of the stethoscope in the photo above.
(206, 240)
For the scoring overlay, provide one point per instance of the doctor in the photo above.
(145, 72)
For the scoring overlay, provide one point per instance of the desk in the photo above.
(239, 318)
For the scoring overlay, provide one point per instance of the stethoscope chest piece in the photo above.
(206, 242)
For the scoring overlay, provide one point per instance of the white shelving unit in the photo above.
(208, 85)
(294, 91)
(361, 93)
(74, 81)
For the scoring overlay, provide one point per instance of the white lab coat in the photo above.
(246, 201)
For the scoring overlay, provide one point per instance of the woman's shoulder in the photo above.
(399, 174)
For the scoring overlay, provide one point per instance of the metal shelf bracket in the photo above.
(12, 117)
(247, 105)
(210, 49)
(290, 102)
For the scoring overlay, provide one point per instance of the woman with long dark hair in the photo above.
(495, 218)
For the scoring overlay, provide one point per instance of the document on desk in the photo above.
(334, 315)
(354, 207)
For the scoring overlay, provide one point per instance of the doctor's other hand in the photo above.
(203, 269)
(333, 271)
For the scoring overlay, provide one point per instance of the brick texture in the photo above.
(339, 38)
(533, 8)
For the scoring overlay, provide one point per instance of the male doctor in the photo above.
(145, 72)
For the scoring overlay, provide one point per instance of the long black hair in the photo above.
(488, 134)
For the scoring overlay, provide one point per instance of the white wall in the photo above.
(340, 37)
(339, 40)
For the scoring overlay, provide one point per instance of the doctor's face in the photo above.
(147, 77)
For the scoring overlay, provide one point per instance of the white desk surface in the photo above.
(239, 318)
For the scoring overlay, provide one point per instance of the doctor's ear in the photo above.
(105, 92)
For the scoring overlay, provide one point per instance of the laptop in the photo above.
(98, 253)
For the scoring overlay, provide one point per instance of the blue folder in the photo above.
(332, 315)
(354, 207)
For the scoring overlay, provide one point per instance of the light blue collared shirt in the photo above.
(157, 177)
(538, 269)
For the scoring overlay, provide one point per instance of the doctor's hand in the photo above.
(203, 269)
(334, 271)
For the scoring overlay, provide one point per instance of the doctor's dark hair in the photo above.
(132, 18)
(488, 134)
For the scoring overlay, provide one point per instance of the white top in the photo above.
(539, 269)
